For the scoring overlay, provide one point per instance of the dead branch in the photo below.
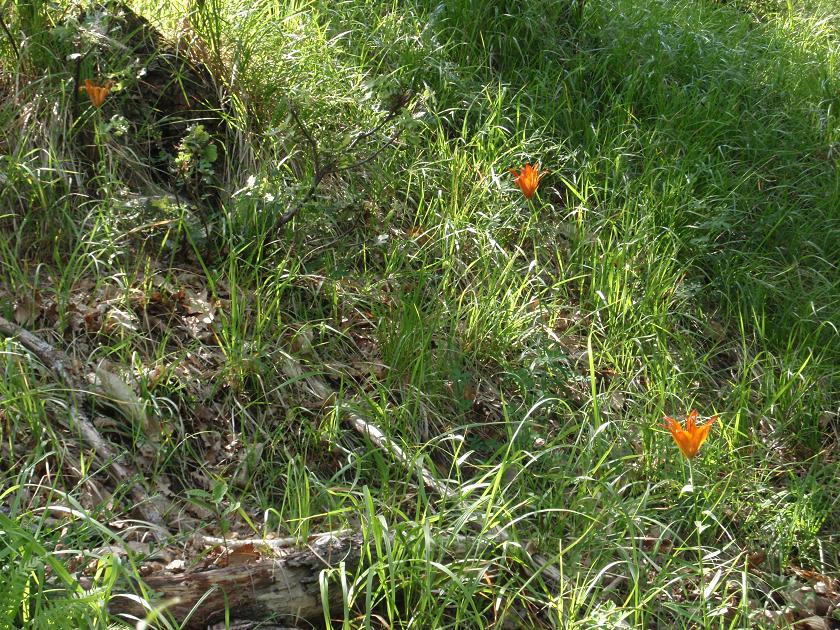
(58, 363)
(9, 35)
(326, 395)
(371, 431)
(313, 146)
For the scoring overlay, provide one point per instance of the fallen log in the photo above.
(265, 579)
(277, 584)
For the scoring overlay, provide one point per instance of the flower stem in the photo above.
(698, 527)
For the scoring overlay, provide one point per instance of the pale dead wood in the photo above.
(284, 585)
(272, 543)
(326, 395)
(58, 363)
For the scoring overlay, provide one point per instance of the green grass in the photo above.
(681, 253)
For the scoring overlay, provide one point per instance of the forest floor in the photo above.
(266, 275)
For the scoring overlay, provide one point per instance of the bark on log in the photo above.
(286, 586)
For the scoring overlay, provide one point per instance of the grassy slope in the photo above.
(682, 253)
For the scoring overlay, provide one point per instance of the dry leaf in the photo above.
(117, 318)
(802, 598)
(199, 511)
(150, 568)
(812, 623)
(176, 566)
(756, 558)
(123, 397)
(200, 314)
(244, 554)
(139, 547)
(27, 309)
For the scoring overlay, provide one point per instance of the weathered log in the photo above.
(284, 585)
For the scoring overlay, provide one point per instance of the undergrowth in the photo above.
(681, 252)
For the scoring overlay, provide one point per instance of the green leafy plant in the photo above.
(194, 162)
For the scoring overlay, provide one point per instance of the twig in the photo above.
(326, 395)
(367, 134)
(374, 433)
(9, 36)
(77, 77)
(313, 146)
(322, 169)
(56, 361)
(290, 214)
(371, 156)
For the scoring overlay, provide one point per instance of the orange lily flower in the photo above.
(692, 437)
(97, 93)
(527, 179)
